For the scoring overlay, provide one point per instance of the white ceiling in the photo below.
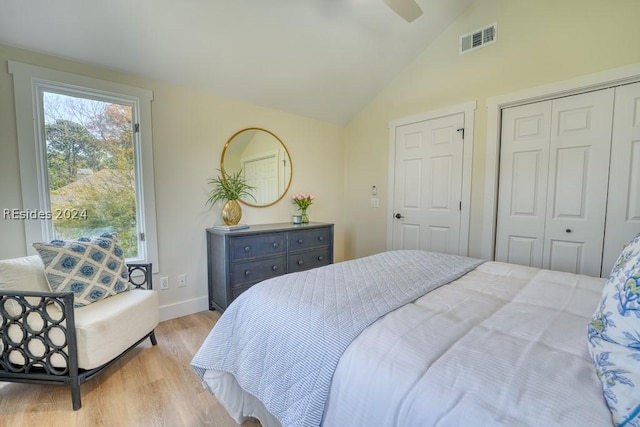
(324, 59)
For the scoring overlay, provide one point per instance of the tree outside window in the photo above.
(90, 168)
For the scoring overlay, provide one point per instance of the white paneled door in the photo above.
(623, 205)
(524, 169)
(554, 171)
(428, 184)
(262, 173)
(578, 178)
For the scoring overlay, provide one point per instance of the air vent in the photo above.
(478, 38)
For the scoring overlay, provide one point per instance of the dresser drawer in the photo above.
(300, 261)
(235, 292)
(306, 239)
(256, 246)
(257, 270)
(238, 259)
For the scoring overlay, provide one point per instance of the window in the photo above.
(85, 159)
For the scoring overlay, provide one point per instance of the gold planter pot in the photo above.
(231, 212)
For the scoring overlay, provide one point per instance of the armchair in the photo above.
(45, 340)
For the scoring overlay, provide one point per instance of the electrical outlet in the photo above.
(164, 282)
(182, 280)
(375, 202)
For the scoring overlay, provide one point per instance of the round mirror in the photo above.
(264, 161)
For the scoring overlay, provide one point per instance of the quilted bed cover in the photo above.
(283, 338)
(503, 345)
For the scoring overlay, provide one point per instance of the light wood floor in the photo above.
(151, 386)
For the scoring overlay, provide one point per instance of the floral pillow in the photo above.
(614, 337)
(91, 268)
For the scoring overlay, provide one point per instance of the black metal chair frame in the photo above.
(39, 369)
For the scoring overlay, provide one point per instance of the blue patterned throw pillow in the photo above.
(614, 338)
(91, 268)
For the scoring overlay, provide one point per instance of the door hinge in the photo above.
(461, 130)
(136, 128)
(142, 237)
(460, 207)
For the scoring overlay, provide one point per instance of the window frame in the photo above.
(29, 82)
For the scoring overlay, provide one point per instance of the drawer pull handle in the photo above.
(247, 273)
(300, 241)
(300, 262)
(320, 258)
(274, 267)
(321, 238)
(275, 245)
(247, 248)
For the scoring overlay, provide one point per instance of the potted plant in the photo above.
(229, 187)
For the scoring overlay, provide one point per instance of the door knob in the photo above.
(398, 216)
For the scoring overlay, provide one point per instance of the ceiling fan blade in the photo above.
(407, 9)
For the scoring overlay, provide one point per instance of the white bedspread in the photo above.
(504, 345)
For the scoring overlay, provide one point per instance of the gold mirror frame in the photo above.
(251, 146)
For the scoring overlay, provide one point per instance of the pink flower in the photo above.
(303, 200)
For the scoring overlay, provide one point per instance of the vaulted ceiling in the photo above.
(324, 59)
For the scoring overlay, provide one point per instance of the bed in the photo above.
(413, 338)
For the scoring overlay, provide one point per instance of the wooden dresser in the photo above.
(239, 259)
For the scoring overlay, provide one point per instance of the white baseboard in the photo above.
(183, 308)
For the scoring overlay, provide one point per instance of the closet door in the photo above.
(578, 177)
(554, 169)
(524, 167)
(623, 208)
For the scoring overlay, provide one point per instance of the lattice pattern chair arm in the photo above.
(140, 281)
(37, 335)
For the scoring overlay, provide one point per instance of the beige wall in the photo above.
(539, 42)
(190, 129)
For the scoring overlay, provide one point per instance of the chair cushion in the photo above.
(91, 268)
(106, 329)
(21, 274)
(103, 330)
(614, 337)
